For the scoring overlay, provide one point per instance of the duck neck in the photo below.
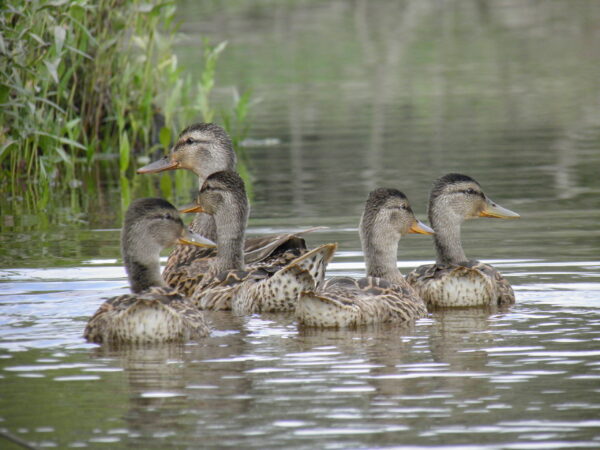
(143, 276)
(380, 255)
(204, 224)
(142, 264)
(447, 240)
(230, 230)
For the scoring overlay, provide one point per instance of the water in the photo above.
(354, 95)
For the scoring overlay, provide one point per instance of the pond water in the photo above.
(353, 95)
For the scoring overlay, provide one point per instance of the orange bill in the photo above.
(159, 166)
(496, 211)
(420, 228)
(198, 240)
(192, 208)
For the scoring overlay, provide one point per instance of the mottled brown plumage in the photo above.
(347, 302)
(227, 282)
(153, 312)
(471, 283)
(262, 289)
(384, 295)
(158, 314)
(205, 148)
(455, 281)
(186, 271)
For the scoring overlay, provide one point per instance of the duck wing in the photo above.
(263, 289)
(187, 263)
(345, 302)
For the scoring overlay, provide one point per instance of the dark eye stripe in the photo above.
(470, 192)
(166, 217)
(191, 140)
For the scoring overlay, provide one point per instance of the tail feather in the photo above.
(276, 294)
(315, 261)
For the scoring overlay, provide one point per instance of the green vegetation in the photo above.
(86, 87)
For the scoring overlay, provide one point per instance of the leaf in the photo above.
(83, 28)
(165, 137)
(4, 148)
(71, 142)
(53, 68)
(2, 45)
(4, 91)
(124, 153)
(51, 103)
(59, 38)
(63, 155)
(145, 7)
(79, 52)
(219, 48)
(71, 123)
(140, 41)
(60, 139)
(54, 4)
(125, 193)
(37, 38)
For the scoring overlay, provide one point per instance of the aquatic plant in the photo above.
(85, 88)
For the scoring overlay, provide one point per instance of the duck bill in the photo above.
(193, 208)
(190, 238)
(159, 166)
(496, 211)
(419, 227)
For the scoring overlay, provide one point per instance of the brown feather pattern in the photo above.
(347, 302)
(472, 283)
(155, 315)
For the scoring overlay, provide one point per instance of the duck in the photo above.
(383, 295)
(153, 312)
(206, 148)
(227, 284)
(454, 280)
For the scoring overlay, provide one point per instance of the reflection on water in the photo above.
(525, 375)
(354, 95)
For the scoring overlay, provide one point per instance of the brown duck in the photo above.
(454, 280)
(227, 283)
(153, 312)
(384, 295)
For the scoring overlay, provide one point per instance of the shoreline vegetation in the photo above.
(86, 89)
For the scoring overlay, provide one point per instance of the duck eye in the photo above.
(471, 191)
(189, 141)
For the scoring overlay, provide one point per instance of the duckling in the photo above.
(205, 148)
(226, 283)
(454, 280)
(384, 295)
(153, 312)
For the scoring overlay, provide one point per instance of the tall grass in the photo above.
(86, 87)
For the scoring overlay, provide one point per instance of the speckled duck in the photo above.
(454, 280)
(227, 283)
(153, 312)
(384, 295)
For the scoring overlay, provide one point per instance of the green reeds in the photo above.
(86, 87)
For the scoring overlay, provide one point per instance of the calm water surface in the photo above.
(353, 95)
